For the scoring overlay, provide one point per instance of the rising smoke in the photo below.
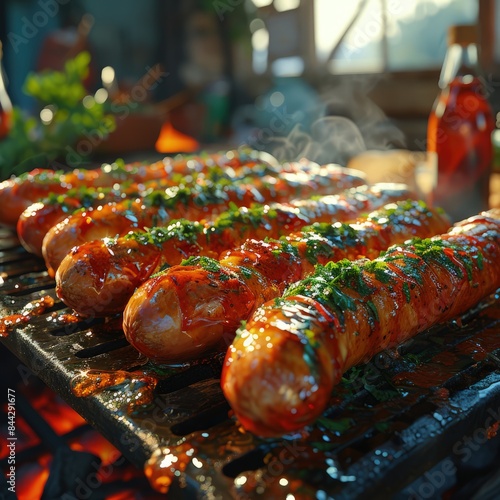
(342, 124)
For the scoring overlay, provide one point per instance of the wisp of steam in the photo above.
(348, 124)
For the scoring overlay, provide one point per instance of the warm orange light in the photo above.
(173, 141)
(61, 417)
(93, 442)
(34, 477)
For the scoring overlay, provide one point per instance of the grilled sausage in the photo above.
(40, 217)
(191, 308)
(125, 262)
(18, 193)
(35, 222)
(201, 201)
(282, 366)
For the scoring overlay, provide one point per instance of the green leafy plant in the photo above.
(68, 115)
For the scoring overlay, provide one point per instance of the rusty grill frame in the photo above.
(391, 443)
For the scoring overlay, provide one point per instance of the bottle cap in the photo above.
(462, 34)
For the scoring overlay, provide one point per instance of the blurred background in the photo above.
(324, 78)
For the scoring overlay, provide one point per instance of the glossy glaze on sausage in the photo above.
(35, 222)
(40, 217)
(18, 193)
(203, 200)
(280, 370)
(189, 309)
(85, 282)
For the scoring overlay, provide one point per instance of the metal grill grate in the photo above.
(390, 421)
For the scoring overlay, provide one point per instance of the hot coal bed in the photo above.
(419, 422)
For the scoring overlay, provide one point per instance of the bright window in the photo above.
(386, 35)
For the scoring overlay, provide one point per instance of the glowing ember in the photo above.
(58, 415)
(34, 308)
(94, 381)
(95, 443)
(166, 464)
(34, 478)
(173, 141)
(34, 462)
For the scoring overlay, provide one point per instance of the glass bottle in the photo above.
(460, 127)
(5, 104)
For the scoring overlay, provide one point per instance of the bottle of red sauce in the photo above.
(5, 104)
(459, 134)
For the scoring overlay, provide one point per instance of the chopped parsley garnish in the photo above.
(332, 284)
(254, 216)
(396, 212)
(83, 197)
(283, 246)
(181, 230)
(323, 238)
(208, 264)
(406, 291)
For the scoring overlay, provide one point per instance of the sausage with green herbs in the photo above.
(189, 309)
(93, 272)
(280, 370)
(200, 201)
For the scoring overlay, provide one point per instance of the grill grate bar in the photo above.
(24, 282)
(197, 372)
(14, 255)
(18, 269)
(9, 241)
(203, 420)
(19, 291)
(90, 352)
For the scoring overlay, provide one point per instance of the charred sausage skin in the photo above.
(281, 368)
